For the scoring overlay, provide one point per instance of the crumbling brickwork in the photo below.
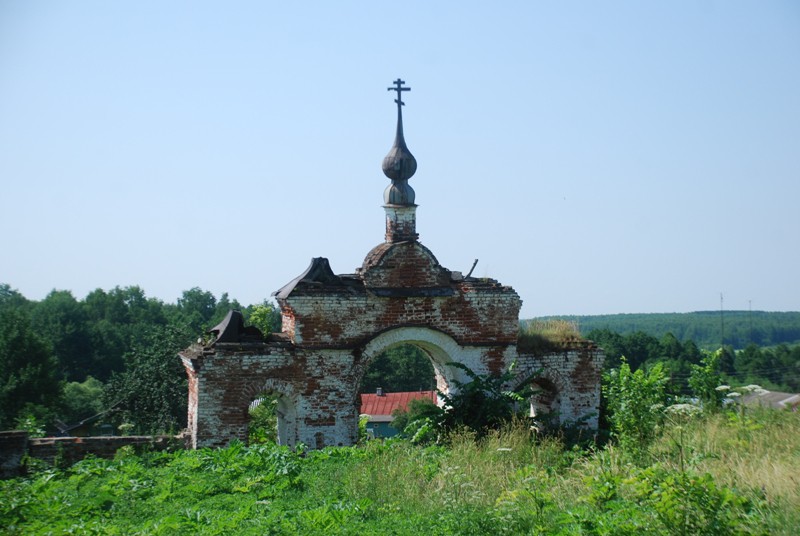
(334, 325)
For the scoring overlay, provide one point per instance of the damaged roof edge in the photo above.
(319, 271)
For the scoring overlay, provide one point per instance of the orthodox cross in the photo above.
(399, 83)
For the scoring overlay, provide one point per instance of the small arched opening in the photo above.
(545, 403)
(271, 416)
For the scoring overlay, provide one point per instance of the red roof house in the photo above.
(379, 406)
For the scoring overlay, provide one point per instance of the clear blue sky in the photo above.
(599, 157)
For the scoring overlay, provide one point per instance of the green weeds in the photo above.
(710, 476)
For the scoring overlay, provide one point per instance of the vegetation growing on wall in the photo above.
(541, 337)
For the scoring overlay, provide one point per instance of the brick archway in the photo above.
(334, 325)
(438, 346)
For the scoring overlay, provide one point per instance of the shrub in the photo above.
(635, 403)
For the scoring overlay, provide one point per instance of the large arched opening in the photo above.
(435, 348)
(400, 368)
(439, 347)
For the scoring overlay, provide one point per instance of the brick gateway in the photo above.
(333, 326)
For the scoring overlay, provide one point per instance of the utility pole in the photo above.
(721, 323)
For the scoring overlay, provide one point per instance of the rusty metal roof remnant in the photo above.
(232, 329)
(399, 165)
(319, 271)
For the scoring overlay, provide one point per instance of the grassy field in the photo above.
(730, 473)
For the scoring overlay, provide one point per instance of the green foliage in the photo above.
(417, 410)
(504, 483)
(11, 298)
(28, 422)
(545, 336)
(263, 427)
(705, 380)
(151, 392)
(399, 369)
(62, 321)
(109, 334)
(82, 400)
(363, 421)
(687, 503)
(28, 378)
(117, 320)
(482, 404)
(635, 403)
(265, 316)
(195, 309)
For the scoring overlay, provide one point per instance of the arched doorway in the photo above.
(400, 368)
(401, 377)
(271, 413)
(439, 347)
(545, 402)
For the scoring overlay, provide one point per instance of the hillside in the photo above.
(706, 328)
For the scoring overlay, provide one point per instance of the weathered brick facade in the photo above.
(334, 325)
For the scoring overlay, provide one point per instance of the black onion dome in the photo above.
(399, 165)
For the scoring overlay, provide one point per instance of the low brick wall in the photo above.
(15, 445)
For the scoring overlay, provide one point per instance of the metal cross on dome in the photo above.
(399, 87)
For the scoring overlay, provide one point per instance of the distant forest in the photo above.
(708, 329)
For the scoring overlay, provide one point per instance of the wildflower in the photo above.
(687, 410)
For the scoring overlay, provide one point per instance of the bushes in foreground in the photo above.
(721, 474)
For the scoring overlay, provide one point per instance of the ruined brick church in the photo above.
(334, 325)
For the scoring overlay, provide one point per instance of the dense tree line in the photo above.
(708, 329)
(65, 360)
(776, 367)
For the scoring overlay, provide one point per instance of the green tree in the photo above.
(61, 320)
(640, 347)
(421, 408)
(482, 404)
(399, 369)
(150, 393)
(265, 316)
(117, 320)
(28, 372)
(12, 299)
(635, 403)
(81, 400)
(610, 341)
(195, 310)
(671, 347)
(705, 379)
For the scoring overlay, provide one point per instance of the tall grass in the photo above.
(753, 450)
(543, 336)
(734, 473)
